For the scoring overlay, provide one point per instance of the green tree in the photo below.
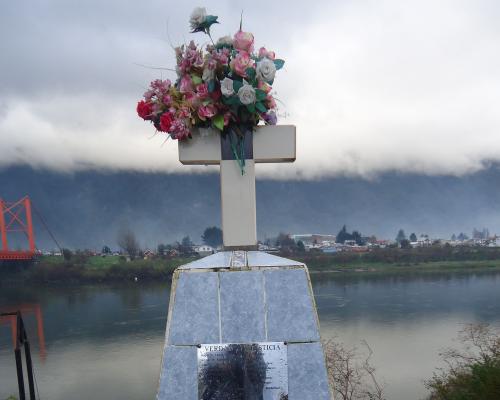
(161, 250)
(400, 236)
(300, 247)
(67, 254)
(185, 247)
(343, 235)
(473, 373)
(106, 250)
(286, 243)
(212, 236)
(358, 238)
(128, 242)
(413, 237)
(405, 244)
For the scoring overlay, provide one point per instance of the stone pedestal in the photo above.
(243, 297)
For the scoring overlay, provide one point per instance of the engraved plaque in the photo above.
(256, 371)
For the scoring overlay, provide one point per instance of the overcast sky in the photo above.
(372, 86)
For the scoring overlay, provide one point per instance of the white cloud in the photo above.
(371, 85)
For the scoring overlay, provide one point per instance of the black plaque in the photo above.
(256, 371)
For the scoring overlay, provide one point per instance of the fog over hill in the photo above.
(86, 209)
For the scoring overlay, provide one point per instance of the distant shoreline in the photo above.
(113, 269)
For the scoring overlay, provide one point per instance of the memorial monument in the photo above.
(242, 324)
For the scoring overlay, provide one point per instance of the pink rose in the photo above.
(241, 62)
(186, 84)
(207, 111)
(202, 90)
(243, 41)
(263, 53)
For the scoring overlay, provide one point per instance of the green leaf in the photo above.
(260, 94)
(196, 79)
(237, 85)
(211, 86)
(250, 73)
(251, 108)
(218, 122)
(233, 100)
(279, 63)
(260, 107)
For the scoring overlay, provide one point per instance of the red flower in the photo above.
(166, 122)
(144, 109)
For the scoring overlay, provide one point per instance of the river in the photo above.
(105, 342)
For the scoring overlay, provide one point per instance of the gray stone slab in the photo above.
(195, 315)
(291, 315)
(307, 377)
(242, 306)
(217, 260)
(261, 259)
(179, 378)
(254, 259)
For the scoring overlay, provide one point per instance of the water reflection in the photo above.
(26, 311)
(106, 342)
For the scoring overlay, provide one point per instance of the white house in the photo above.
(204, 250)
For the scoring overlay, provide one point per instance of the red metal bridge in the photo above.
(15, 218)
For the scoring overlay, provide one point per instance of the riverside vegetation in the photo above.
(80, 267)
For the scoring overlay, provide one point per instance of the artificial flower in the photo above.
(246, 94)
(226, 87)
(266, 70)
(243, 41)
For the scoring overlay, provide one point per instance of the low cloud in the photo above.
(372, 86)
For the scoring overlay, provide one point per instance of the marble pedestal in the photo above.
(243, 297)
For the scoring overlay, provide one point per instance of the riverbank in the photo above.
(109, 269)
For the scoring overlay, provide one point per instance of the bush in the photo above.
(472, 373)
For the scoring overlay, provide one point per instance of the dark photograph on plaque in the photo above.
(230, 371)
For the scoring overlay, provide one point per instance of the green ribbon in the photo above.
(238, 150)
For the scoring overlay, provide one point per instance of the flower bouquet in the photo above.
(224, 85)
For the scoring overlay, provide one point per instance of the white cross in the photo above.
(271, 144)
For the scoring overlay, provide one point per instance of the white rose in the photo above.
(266, 70)
(246, 94)
(225, 41)
(197, 16)
(208, 74)
(226, 87)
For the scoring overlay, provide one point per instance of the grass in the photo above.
(96, 269)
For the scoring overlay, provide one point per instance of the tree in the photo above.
(358, 238)
(473, 372)
(454, 237)
(128, 243)
(185, 247)
(67, 254)
(212, 236)
(106, 250)
(285, 242)
(300, 247)
(343, 235)
(161, 250)
(401, 236)
(405, 244)
(462, 237)
(413, 237)
(351, 373)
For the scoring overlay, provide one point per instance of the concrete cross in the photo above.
(268, 144)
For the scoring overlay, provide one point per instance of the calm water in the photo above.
(105, 342)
